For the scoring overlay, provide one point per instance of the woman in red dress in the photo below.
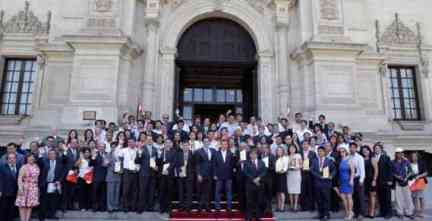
(28, 191)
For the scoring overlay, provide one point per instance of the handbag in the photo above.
(72, 177)
(418, 185)
(88, 176)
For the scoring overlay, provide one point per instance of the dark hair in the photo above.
(85, 134)
(12, 144)
(322, 116)
(27, 156)
(367, 148)
(69, 136)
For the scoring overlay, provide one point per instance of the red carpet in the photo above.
(235, 215)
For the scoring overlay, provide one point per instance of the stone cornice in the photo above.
(317, 46)
(126, 45)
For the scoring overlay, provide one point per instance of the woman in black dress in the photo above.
(371, 170)
(281, 168)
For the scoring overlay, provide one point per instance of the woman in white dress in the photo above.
(294, 176)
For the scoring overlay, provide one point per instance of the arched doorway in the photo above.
(216, 70)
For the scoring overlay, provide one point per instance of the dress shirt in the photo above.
(51, 171)
(224, 155)
(359, 165)
(129, 155)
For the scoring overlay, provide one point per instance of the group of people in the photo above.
(141, 164)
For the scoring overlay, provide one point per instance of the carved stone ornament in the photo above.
(329, 9)
(103, 5)
(398, 33)
(26, 22)
(259, 5)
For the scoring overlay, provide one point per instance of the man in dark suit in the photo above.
(223, 165)
(9, 187)
(241, 156)
(307, 196)
(100, 164)
(50, 182)
(70, 196)
(204, 172)
(323, 171)
(186, 177)
(269, 161)
(255, 171)
(384, 181)
(146, 158)
(166, 165)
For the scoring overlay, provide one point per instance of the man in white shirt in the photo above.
(130, 175)
(231, 125)
(359, 165)
(302, 130)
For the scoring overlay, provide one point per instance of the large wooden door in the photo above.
(216, 55)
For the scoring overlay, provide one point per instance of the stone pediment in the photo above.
(26, 22)
(398, 33)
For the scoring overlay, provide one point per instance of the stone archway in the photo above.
(242, 13)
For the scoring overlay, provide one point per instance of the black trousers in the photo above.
(146, 192)
(204, 192)
(268, 192)
(358, 198)
(323, 200)
(384, 199)
(240, 190)
(99, 196)
(307, 199)
(185, 187)
(254, 207)
(48, 205)
(84, 194)
(166, 192)
(8, 209)
(130, 190)
(69, 196)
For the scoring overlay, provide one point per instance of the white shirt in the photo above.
(359, 165)
(223, 155)
(300, 133)
(414, 167)
(83, 168)
(129, 155)
(231, 127)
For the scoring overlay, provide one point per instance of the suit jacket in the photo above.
(111, 175)
(8, 182)
(170, 157)
(99, 169)
(251, 172)
(317, 175)
(223, 170)
(203, 164)
(59, 172)
(144, 161)
(189, 165)
(271, 167)
(70, 160)
(385, 169)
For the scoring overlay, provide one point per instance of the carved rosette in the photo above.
(398, 33)
(25, 22)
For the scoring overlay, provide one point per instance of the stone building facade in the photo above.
(343, 58)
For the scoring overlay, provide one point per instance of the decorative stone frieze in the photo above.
(25, 21)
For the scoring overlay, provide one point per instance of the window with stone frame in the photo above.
(17, 86)
(403, 89)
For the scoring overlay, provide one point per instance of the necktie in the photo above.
(50, 177)
(321, 163)
(13, 169)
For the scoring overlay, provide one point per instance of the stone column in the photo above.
(148, 85)
(266, 81)
(167, 84)
(284, 78)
